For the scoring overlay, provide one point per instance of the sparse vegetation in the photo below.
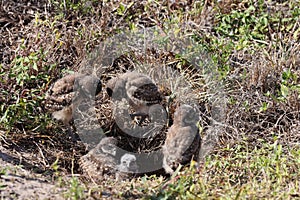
(76, 191)
(254, 45)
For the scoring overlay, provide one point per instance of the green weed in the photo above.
(76, 190)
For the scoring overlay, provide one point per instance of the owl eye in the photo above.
(110, 147)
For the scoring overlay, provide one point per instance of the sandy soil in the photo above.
(20, 182)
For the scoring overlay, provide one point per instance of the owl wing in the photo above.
(61, 93)
(98, 166)
(180, 146)
(180, 138)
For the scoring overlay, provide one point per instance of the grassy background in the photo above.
(254, 44)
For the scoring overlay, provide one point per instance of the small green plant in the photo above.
(68, 6)
(55, 166)
(28, 76)
(183, 185)
(23, 114)
(24, 69)
(76, 191)
(288, 84)
(244, 25)
(264, 107)
(3, 171)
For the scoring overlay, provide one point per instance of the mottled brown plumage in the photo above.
(61, 94)
(67, 93)
(127, 168)
(138, 89)
(183, 139)
(100, 163)
(157, 121)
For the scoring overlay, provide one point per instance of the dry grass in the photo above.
(241, 69)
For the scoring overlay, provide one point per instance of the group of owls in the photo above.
(182, 142)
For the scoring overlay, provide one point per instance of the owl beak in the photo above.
(114, 152)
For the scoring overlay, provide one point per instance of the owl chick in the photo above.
(100, 162)
(67, 93)
(158, 114)
(183, 139)
(138, 89)
(158, 120)
(127, 167)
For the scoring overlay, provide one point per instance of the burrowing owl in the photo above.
(68, 92)
(101, 161)
(138, 89)
(157, 121)
(158, 114)
(183, 139)
(127, 168)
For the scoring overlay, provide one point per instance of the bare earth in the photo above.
(19, 182)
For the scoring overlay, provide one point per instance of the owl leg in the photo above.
(142, 116)
(167, 168)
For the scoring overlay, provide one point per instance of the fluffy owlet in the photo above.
(157, 121)
(68, 92)
(127, 168)
(183, 139)
(138, 89)
(100, 162)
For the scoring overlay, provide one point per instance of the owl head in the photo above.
(107, 145)
(128, 163)
(158, 113)
(142, 90)
(88, 85)
(186, 115)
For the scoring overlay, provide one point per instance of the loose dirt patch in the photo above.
(18, 181)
